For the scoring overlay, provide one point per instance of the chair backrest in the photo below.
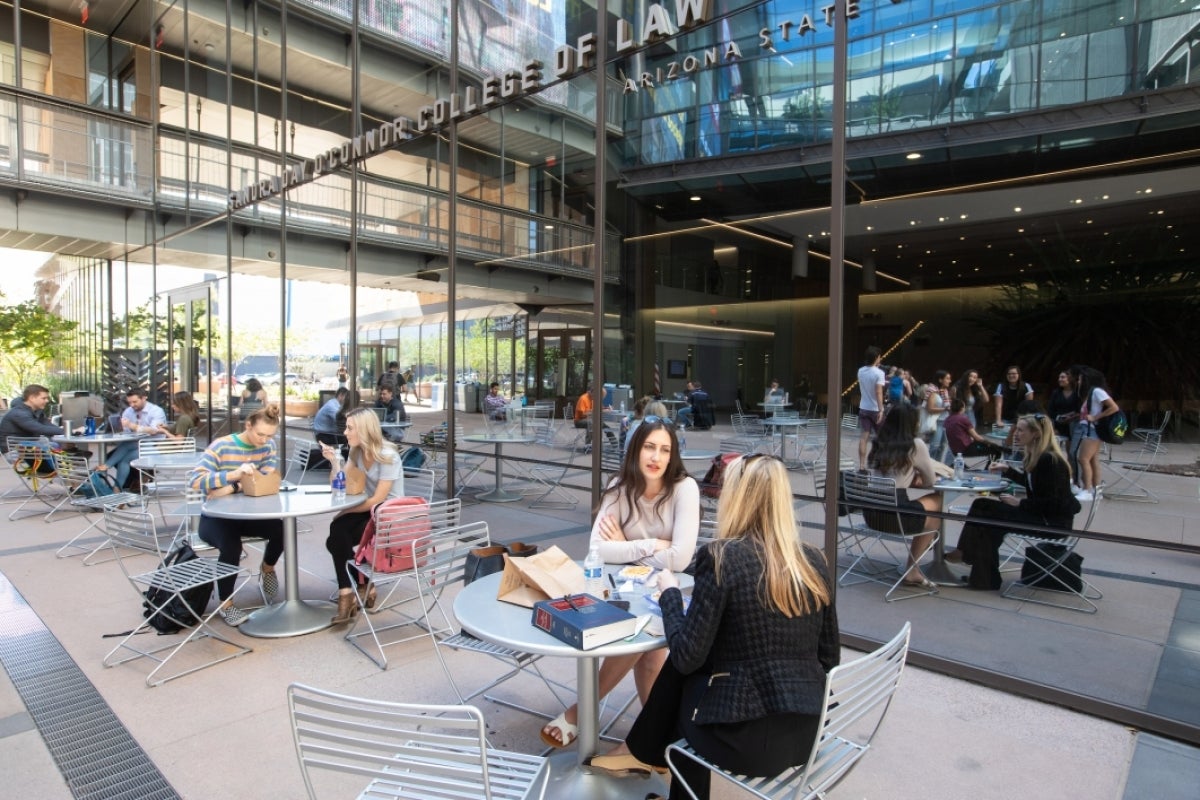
(298, 461)
(858, 689)
(436, 751)
(73, 471)
(154, 447)
(134, 529)
(395, 523)
(440, 558)
(419, 483)
(861, 487)
(33, 459)
(850, 421)
(736, 446)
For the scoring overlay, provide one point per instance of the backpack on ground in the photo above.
(714, 479)
(397, 556)
(98, 484)
(413, 458)
(177, 614)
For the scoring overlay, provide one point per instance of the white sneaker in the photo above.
(1084, 496)
(1076, 490)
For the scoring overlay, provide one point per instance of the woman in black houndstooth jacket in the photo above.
(746, 675)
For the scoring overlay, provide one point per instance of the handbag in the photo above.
(1065, 577)
(483, 561)
(400, 555)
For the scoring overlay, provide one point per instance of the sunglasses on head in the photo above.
(755, 456)
(664, 421)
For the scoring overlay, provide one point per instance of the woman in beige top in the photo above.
(900, 454)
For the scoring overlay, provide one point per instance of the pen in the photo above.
(567, 597)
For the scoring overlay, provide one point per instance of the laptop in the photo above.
(114, 423)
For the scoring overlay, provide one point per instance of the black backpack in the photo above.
(176, 615)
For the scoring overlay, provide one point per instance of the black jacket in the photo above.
(21, 420)
(754, 661)
(1047, 491)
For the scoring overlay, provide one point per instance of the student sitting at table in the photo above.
(187, 416)
(142, 417)
(1048, 501)
(899, 453)
(494, 404)
(385, 480)
(745, 679)
(774, 394)
(220, 471)
(650, 515)
(962, 437)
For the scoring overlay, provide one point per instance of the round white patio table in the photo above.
(482, 615)
(293, 616)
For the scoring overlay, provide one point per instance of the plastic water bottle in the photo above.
(682, 438)
(339, 480)
(959, 467)
(593, 573)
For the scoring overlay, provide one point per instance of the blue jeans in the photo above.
(684, 415)
(120, 460)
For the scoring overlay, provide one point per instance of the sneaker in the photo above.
(270, 584)
(233, 615)
(1084, 496)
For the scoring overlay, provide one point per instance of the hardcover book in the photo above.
(583, 621)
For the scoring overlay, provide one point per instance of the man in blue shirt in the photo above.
(141, 417)
(330, 421)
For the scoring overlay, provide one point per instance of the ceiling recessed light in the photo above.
(1017, 210)
(695, 198)
(913, 156)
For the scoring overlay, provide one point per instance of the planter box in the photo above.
(301, 408)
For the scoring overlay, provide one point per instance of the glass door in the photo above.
(563, 360)
(191, 340)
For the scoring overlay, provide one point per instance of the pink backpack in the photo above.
(398, 555)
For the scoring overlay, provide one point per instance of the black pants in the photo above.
(763, 747)
(345, 532)
(226, 535)
(980, 544)
(983, 449)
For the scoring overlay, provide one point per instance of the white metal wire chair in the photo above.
(867, 546)
(857, 697)
(74, 475)
(1047, 577)
(131, 530)
(33, 464)
(432, 752)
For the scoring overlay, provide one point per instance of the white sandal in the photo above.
(565, 729)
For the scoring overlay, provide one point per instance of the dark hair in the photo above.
(254, 386)
(631, 483)
(957, 405)
(393, 365)
(1087, 378)
(870, 355)
(961, 386)
(186, 405)
(341, 394)
(892, 451)
(493, 385)
(136, 391)
(32, 389)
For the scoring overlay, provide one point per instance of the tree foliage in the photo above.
(1138, 324)
(30, 338)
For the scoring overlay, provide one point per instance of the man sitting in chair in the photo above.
(494, 404)
(962, 438)
(697, 413)
(393, 410)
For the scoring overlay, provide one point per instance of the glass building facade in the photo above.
(1020, 181)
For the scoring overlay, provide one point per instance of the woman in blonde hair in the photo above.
(1048, 501)
(380, 460)
(219, 472)
(745, 679)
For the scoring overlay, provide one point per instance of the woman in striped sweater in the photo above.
(220, 471)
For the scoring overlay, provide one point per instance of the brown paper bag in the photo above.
(548, 574)
(257, 484)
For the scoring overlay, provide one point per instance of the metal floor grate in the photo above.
(95, 753)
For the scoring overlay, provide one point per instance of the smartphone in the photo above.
(319, 491)
(287, 488)
(621, 604)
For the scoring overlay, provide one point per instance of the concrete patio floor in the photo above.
(224, 731)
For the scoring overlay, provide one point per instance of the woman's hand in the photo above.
(1009, 500)
(610, 529)
(666, 580)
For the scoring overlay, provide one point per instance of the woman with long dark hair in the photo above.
(1063, 409)
(975, 398)
(1096, 403)
(1048, 501)
(937, 407)
(650, 515)
(745, 679)
(900, 454)
(187, 416)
